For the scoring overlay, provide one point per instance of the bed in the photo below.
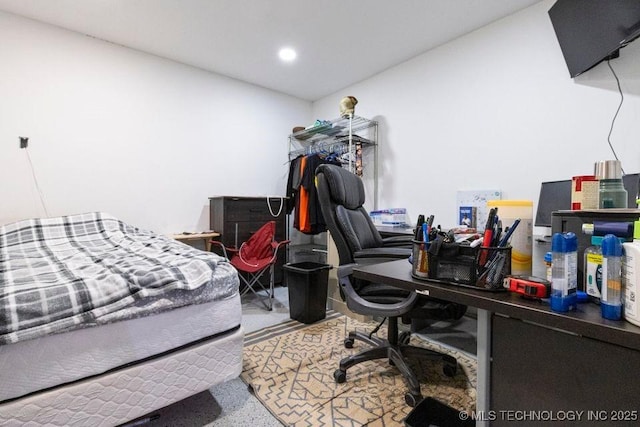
(102, 322)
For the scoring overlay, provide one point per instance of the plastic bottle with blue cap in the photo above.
(564, 271)
(611, 296)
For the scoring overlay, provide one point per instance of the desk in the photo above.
(197, 236)
(531, 359)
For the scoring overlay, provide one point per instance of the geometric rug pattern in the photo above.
(290, 369)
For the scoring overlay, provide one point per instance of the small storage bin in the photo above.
(307, 282)
(452, 262)
(432, 412)
(420, 259)
(481, 268)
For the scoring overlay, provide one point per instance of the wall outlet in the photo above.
(24, 141)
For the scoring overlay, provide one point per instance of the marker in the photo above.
(476, 242)
(488, 235)
(507, 236)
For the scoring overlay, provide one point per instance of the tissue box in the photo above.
(389, 217)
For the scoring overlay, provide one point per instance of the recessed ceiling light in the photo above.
(287, 54)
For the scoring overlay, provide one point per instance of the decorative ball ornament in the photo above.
(347, 106)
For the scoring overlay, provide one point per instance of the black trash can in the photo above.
(307, 282)
(432, 412)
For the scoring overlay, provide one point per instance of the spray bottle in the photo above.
(564, 271)
(611, 296)
(631, 276)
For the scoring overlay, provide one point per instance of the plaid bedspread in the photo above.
(57, 274)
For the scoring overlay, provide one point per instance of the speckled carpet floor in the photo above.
(290, 368)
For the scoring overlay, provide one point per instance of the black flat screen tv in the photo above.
(590, 31)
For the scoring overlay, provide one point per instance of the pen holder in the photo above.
(452, 262)
(420, 257)
(493, 265)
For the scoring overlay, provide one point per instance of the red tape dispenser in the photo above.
(528, 286)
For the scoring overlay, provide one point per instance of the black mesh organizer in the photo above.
(459, 264)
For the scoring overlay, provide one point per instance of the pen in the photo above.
(505, 239)
(497, 233)
(492, 274)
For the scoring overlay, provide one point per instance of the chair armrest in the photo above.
(277, 245)
(345, 270)
(398, 241)
(361, 306)
(225, 250)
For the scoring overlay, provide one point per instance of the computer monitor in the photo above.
(630, 182)
(554, 196)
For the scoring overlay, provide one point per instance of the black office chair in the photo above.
(341, 197)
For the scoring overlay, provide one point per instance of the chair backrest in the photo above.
(258, 246)
(341, 197)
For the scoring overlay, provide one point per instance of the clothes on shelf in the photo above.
(301, 192)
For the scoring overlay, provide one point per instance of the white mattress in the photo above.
(118, 396)
(32, 365)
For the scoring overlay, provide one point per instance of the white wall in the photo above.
(494, 109)
(149, 139)
(141, 137)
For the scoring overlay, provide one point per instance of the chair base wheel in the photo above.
(412, 399)
(340, 376)
(348, 343)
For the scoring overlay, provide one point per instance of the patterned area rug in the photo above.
(290, 367)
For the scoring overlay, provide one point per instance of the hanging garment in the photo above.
(301, 190)
(303, 199)
(293, 183)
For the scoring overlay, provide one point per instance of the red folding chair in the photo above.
(255, 257)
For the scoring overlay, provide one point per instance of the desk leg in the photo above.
(484, 366)
(207, 244)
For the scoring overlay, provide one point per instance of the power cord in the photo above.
(375, 330)
(35, 180)
(277, 214)
(616, 115)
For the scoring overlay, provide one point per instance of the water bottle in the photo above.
(564, 271)
(612, 193)
(611, 295)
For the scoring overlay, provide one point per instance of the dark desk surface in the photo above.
(585, 321)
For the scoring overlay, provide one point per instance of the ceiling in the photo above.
(339, 42)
